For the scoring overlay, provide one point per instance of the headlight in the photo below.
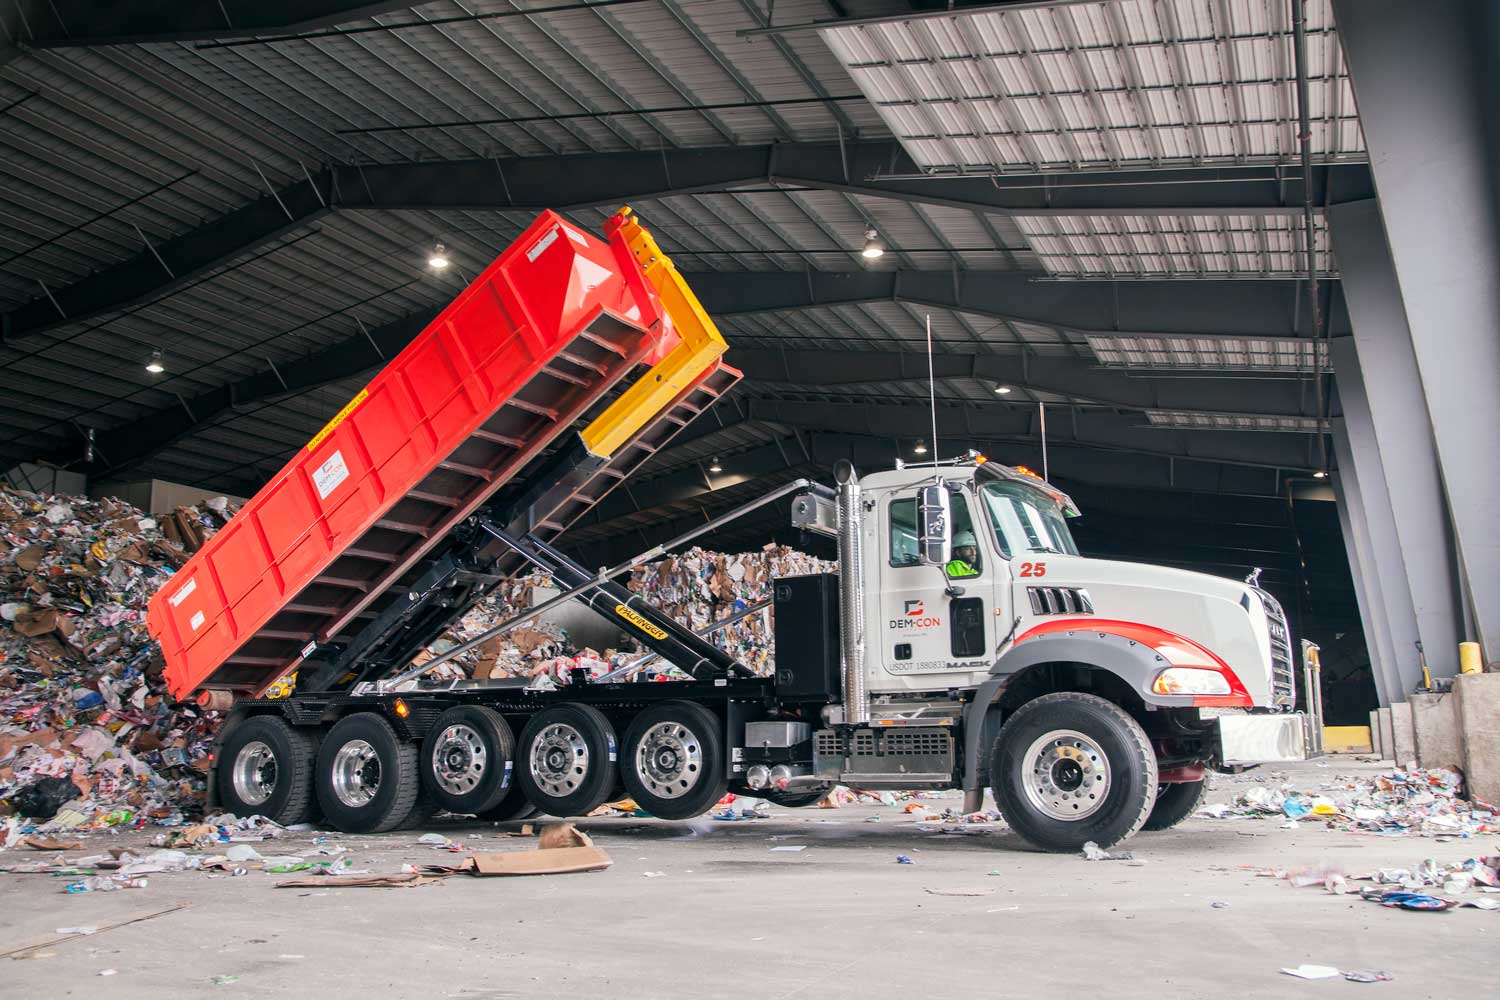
(1189, 680)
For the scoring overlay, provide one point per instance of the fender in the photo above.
(1132, 651)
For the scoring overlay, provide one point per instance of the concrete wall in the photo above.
(1478, 704)
(40, 479)
(1439, 739)
(157, 496)
(584, 627)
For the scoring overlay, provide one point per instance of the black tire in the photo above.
(277, 758)
(1175, 802)
(565, 764)
(678, 772)
(343, 780)
(514, 807)
(466, 759)
(793, 798)
(1113, 753)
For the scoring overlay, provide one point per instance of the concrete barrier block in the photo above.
(1435, 719)
(1375, 745)
(1403, 734)
(1479, 721)
(1387, 745)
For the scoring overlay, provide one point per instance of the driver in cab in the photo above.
(965, 561)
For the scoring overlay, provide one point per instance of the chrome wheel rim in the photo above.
(559, 759)
(1065, 775)
(356, 773)
(460, 760)
(669, 760)
(254, 773)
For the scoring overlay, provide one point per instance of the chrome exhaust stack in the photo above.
(851, 595)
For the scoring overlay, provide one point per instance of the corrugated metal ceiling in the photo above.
(1131, 82)
(113, 149)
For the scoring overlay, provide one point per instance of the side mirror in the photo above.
(934, 520)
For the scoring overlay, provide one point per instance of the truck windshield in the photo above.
(1027, 520)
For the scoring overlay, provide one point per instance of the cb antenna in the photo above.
(932, 390)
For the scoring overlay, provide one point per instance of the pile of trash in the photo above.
(697, 587)
(88, 736)
(1425, 802)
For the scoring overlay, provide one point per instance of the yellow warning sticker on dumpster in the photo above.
(339, 418)
(639, 621)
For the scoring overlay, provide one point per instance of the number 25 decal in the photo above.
(1034, 569)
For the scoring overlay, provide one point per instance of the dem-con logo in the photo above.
(914, 617)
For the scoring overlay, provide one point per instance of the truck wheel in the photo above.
(514, 806)
(466, 759)
(566, 765)
(265, 767)
(674, 760)
(366, 777)
(1069, 768)
(1174, 803)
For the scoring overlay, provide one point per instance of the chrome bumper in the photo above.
(1264, 739)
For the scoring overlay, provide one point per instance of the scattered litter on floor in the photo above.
(902, 859)
(789, 847)
(1367, 976)
(1093, 852)
(959, 892)
(1312, 971)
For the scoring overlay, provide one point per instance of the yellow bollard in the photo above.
(1469, 661)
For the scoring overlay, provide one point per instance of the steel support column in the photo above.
(1424, 81)
(1384, 407)
(1365, 568)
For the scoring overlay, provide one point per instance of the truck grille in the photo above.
(1060, 601)
(1283, 666)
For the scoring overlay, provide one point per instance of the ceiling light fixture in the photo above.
(920, 449)
(439, 258)
(714, 466)
(154, 363)
(1003, 390)
(873, 247)
(1320, 474)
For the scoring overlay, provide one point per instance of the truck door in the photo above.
(923, 629)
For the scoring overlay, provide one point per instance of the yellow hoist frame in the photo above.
(701, 345)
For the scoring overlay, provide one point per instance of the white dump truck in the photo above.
(964, 643)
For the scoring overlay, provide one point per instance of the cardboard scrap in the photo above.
(564, 849)
(52, 844)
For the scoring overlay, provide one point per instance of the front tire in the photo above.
(265, 767)
(1069, 768)
(366, 776)
(1174, 803)
(674, 760)
(566, 765)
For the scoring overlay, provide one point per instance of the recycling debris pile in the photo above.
(697, 588)
(700, 587)
(88, 736)
(1422, 802)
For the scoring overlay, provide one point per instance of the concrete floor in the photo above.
(731, 918)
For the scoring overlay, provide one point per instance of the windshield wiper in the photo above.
(1046, 549)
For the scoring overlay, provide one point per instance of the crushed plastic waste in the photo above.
(1420, 802)
(1093, 852)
